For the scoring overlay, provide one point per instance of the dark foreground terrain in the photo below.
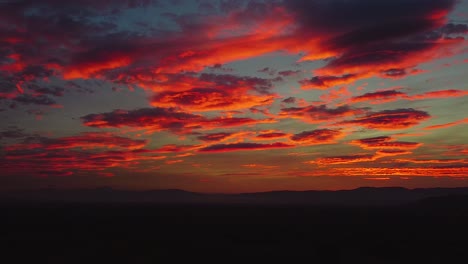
(431, 230)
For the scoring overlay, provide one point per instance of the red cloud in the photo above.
(244, 146)
(175, 148)
(223, 136)
(400, 73)
(385, 143)
(85, 141)
(325, 82)
(360, 39)
(335, 95)
(434, 161)
(392, 95)
(379, 97)
(87, 49)
(391, 152)
(203, 92)
(215, 137)
(318, 114)
(363, 34)
(158, 118)
(463, 121)
(344, 159)
(43, 162)
(268, 135)
(378, 58)
(74, 154)
(438, 94)
(190, 51)
(359, 157)
(92, 68)
(413, 172)
(318, 136)
(209, 99)
(366, 39)
(390, 119)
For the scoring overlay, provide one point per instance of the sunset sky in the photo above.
(233, 95)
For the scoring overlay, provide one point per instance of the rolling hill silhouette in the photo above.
(364, 196)
(364, 225)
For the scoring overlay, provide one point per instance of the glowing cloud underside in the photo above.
(225, 96)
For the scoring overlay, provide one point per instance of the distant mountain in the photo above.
(365, 196)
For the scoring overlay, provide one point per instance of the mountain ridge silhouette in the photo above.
(358, 196)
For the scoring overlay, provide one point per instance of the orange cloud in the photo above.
(209, 99)
(386, 96)
(269, 135)
(378, 59)
(336, 94)
(385, 142)
(343, 159)
(386, 49)
(175, 148)
(75, 155)
(439, 94)
(259, 166)
(244, 146)
(157, 119)
(433, 161)
(391, 152)
(379, 97)
(327, 81)
(411, 172)
(353, 48)
(215, 137)
(359, 41)
(281, 29)
(459, 122)
(209, 92)
(332, 160)
(398, 73)
(321, 113)
(390, 119)
(88, 140)
(318, 136)
(92, 69)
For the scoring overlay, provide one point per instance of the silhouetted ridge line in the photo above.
(366, 196)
